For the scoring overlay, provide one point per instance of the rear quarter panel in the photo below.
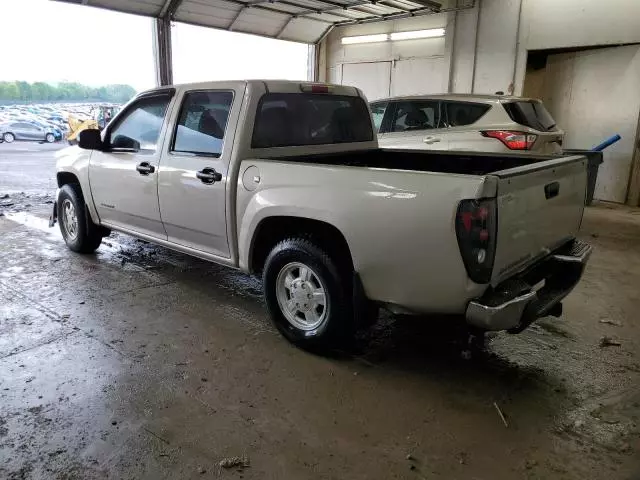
(399, 224)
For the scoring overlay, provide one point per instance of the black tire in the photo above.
(50, 138)
(337, 329)
(88, 235)
(9, 137)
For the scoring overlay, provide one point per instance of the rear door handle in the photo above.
(430, 140)
(145, 168)
(209, 175)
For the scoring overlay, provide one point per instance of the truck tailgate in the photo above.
(540, 207)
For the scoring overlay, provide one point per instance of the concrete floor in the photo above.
(142, 363)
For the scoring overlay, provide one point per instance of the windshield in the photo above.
(531, 113)
(296, 119)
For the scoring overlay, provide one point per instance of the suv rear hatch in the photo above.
(533, 115)
(539, 208)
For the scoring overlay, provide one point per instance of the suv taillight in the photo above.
(476, 227)
(512, 140)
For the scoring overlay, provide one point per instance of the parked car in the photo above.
(286, 179)
(57, 132)
(26, 131)
(482, 123)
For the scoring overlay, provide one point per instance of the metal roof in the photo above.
(306, 21)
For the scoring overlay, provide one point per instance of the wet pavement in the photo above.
(138, 362)
(28, 167)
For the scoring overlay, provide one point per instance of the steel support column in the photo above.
(162, 50)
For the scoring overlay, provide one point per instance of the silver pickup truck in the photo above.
(286, 180)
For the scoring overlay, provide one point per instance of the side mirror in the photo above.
(90, 139)
(122, 142)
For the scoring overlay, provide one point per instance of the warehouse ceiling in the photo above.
(296, 20)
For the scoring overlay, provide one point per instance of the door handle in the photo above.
(145, 168)
(430, 140)
(209, 175)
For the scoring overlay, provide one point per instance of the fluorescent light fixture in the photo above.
(385, 37)
(382, 37)
(415, 34)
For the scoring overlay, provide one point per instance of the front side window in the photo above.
(202, 123)
(416, 115)
(299, 119)
(377, 111)
(460, 114)
(139, 128)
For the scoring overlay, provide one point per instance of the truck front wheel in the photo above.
(78, 230)
(308, 300)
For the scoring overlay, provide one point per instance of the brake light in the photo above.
(512, 140)
(476, 227)
(314, 88)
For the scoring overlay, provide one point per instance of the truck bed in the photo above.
(468, 163)
(539, 199)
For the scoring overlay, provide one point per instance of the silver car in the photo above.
(482, 123)
(25, 131)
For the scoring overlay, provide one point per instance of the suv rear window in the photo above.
(297, 119)
(464, 113)
(531, 113)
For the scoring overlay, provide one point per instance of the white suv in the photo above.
(482, 123)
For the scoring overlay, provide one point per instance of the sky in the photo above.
(60, 42)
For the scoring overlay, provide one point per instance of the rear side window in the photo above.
(460, 114)
(416, 115)
(531, 113)
(377, 111)
(202, 123)
(297, 119)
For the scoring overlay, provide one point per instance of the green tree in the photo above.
(9, 91)
(24, 92)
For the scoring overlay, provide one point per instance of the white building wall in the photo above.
(497, 43)
(405, 67)
(489, 43)
(463, 56)
(575, 23)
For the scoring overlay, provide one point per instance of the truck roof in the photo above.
(271, 85)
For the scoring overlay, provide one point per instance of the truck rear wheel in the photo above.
(309, 302)
(78, 230)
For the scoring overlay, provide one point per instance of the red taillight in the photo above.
(476, 222)
(314, 88)
(513, 140)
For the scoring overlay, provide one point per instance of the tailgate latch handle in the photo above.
(551, 190)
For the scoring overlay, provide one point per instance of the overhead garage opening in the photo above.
(231, 56)
(303, 21)
(306, 21)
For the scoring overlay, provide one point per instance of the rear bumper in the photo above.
(516, 303)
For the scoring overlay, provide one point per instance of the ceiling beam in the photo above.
(434, 6)
(169, 9)
(418, 12)
(332, 10)
(284, 27)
